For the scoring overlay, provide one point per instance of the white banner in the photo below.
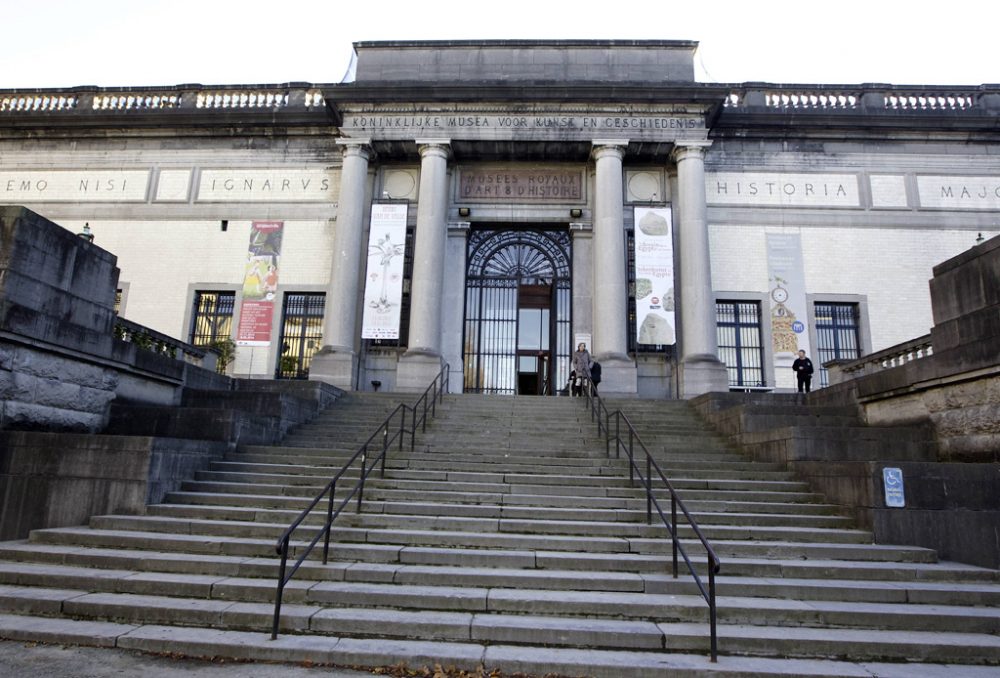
(384, 282)
(654, 276)
(788, 304)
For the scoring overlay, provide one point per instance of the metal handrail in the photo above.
(431, 396)
(599, 413)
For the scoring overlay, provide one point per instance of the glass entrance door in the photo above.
(517, 312)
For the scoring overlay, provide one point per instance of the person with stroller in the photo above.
(580, 370)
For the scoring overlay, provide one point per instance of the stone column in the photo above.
(422, 360)
(701, 371)
(610, 279)
(336, 362)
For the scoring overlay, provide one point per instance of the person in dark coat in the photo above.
(803, 369)
(595, 374)
(581, 365)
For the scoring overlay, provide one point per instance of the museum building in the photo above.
(492, 204)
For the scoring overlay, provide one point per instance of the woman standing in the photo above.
(581, 366)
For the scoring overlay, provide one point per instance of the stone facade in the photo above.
(875, 183)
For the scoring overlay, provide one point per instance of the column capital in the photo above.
(608, 147)
(695, 148)
(440, 147)
(356, 147)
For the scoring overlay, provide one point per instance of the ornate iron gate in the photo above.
(517, 311)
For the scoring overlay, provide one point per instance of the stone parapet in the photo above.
(59, 479)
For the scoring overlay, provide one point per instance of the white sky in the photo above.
(62, 43)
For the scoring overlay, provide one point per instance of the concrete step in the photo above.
(206, 535)
(513, 511)
(380, 652)
(194, 519)
(501, 494)
(132, 550)
(532, 521)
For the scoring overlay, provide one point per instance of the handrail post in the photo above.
(364, 474)
(631, 459)
(711, 608)
(413, 429)
(281, 588)
(649, 490)
(673, 528)
(618, 436)
(385, 448)
(402, 429)
(423, 421)
(329, 521)
(434, 401)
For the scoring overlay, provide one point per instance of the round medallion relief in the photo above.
(399, 184)
(644, 186)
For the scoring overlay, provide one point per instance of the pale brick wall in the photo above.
(891, 267)
(159, 260)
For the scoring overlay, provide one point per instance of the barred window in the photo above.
(212, 317)
(837, 335)
(301, 333)
(741, 345)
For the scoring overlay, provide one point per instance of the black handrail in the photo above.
(600, 413)
(431, 396)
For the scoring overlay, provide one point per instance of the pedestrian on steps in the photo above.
(803, 369)
(581, 366)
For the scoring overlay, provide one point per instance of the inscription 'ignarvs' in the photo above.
(523, 185)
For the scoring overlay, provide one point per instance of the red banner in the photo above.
(260, 284)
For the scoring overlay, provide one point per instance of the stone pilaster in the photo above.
(610, 279)
(336, 362)
(423, 358)
(453, 299)
(701, 371)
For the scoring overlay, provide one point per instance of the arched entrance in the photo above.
(517, 311)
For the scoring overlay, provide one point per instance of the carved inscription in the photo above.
(978, 193)
(73, 186)
(268, 185)
(521, 185)
(782, 190)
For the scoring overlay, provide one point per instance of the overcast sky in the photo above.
(62, 43)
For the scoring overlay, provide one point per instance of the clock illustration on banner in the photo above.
(779, 294)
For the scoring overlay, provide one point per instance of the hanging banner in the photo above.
(654, 276)
(384, 282)
(260, 284)
(788, 304)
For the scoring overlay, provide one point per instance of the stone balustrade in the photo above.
(894, 356)
(162, 99)
(864, 99)
(13, 102)
(150, 340)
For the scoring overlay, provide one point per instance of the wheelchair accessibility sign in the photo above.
(892, 480)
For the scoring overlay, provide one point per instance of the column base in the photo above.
(619, 376)
(416, 371)
(700, 374)
(333, 366)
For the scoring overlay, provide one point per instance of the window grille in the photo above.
(301, 333)
(837, 335)
(212, 317)
(741, 345)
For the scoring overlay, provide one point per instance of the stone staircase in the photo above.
(507, 539)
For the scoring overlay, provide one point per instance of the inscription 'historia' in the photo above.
(520, 185)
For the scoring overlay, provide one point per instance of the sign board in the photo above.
(892, 480)
(654, 276)
(384, 282)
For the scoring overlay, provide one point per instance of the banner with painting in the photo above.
(654, 276)
(789, 311)
(384, 282)
(260, 284)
